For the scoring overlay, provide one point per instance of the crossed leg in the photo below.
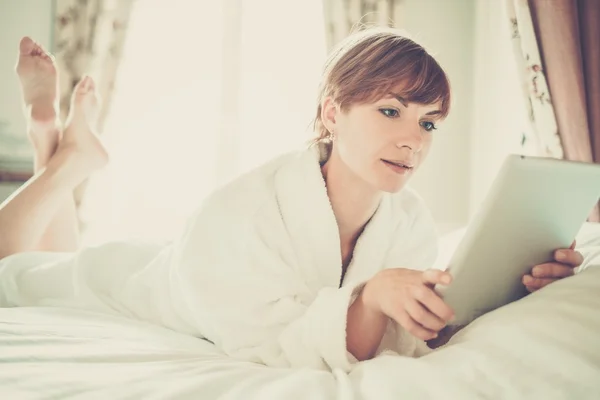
(41, 214)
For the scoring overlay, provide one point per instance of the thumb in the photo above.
(573, 245)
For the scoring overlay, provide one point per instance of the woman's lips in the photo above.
(398, 166)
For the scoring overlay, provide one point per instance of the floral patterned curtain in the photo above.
(542, 137)
(556, 51)
(89, 36)
(343, 16)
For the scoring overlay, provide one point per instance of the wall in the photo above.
(17, 19)
(446, 29)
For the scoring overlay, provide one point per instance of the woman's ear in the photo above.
(329, 111)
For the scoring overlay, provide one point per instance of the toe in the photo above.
(27, 45)
(83, 86)
(84, 94)
(90, 84)
(38, 50)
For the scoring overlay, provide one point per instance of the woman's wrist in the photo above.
(368, 298)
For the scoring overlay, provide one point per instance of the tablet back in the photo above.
(535, 206)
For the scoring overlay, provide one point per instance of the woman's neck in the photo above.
(353, 200)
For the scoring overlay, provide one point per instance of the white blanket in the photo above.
(542, 347)
(257, 270)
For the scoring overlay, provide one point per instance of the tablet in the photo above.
(535, 206)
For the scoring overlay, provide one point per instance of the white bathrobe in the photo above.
(257, 270)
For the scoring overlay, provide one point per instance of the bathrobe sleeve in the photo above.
(243, 291)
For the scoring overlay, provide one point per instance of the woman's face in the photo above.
(384, 142)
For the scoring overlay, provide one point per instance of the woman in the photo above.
(318, 258)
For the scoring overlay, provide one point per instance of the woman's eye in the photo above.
(389, 112)
(428, 126)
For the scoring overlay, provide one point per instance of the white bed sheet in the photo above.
(546, 346)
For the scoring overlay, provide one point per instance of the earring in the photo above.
(332, 136)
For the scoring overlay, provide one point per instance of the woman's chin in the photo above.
(392, 180)
(394, 186)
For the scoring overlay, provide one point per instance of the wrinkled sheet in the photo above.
(546, 346)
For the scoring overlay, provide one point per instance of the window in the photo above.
(181, 120)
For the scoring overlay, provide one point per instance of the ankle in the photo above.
(44, 127)
(40, 162)
(65, 169)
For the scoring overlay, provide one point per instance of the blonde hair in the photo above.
(368, 64)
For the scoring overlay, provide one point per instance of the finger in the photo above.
(424, 317)
(573, 245)
(568, 256)
(436, 277)
(552, 270)
(414, 328)
(533, 284)
(530, 289)
(428, 298)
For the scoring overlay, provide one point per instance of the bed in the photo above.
(546, 346)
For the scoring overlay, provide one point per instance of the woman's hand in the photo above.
(566, 260)
(407, 296)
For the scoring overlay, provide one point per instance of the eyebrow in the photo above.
(403, 101)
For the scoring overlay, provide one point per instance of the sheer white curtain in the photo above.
(499, 117)
(206, 91)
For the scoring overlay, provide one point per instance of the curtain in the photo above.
(343, 16)
(541, 138)
(498, 110)
(88, 39)
(559, 58)
(89, 36)
(568, 32)
(198, 102)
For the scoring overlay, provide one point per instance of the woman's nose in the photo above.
(412, 138)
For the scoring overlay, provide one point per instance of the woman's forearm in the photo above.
(364, 330)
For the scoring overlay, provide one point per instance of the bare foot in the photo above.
(39, 85)
(79, 145)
